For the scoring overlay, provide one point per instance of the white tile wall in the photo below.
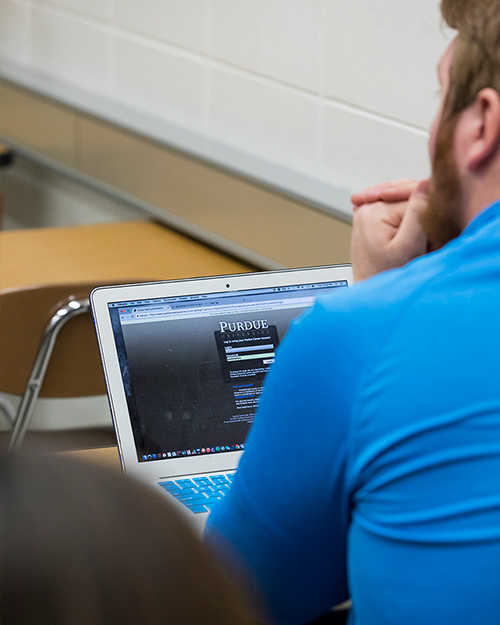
(270, 77)
(264, 119)
(13, 32)
(279, 39)
(70, 50)
(161, 83)
(99, 9)
(382, 55)
(180, 22)
(387, 151)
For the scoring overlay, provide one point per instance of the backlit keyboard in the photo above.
(199, 494)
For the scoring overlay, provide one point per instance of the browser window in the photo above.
(193, 366)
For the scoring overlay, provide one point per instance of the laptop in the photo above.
(184, 363)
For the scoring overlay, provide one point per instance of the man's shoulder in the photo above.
(387, 291)
(353, 321)
(457, 263)
(357, 319)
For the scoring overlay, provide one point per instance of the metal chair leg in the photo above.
(27, 405)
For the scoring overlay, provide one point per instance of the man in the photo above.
(373, 467)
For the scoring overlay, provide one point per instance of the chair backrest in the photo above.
(74, 369)
(6, 157)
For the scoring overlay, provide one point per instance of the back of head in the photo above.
(80, 545)
(476, 59)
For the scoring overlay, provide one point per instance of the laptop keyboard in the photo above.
(199, 494)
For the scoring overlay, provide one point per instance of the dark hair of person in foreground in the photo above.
(81, 545)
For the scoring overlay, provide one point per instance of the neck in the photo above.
(482, 190)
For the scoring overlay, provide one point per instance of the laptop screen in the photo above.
(193, 366)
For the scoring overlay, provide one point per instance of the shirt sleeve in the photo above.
(287, 513)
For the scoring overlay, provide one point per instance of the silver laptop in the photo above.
(184, 363)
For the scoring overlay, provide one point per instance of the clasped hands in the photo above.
(386, 226)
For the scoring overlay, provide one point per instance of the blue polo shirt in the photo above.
(373, 467)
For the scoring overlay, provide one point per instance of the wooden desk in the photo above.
(89, 255)
(107, 456)
(106, 253)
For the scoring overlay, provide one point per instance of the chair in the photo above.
(48, 346)
(6, 158)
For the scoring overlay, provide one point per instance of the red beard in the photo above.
(442, 218)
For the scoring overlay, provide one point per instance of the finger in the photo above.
(398, 193)
(410, 233)
(398, 181)
(366, 196)
(399, 189)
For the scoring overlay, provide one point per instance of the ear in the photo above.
(483, 117)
